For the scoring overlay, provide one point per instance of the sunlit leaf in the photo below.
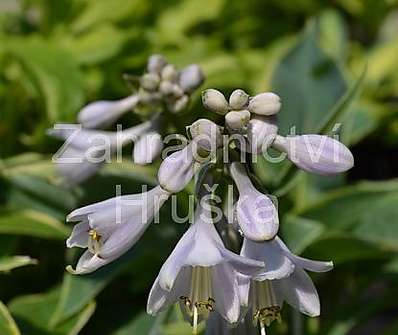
(9, 263)
(7, 323)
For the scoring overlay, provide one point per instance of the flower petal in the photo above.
(159, 299)
(308, 264)
(300, 292)
(277, 264)
(147, 148)
(79, 236)
(226, 292)
(88, 263)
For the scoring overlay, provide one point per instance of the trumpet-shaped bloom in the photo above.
(316, 153)
(283, 279)
(101, 114)
(256, 214)
(177, 170)
(109, 228)
(202, 274)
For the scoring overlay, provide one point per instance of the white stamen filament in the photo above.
(195, 320)
(262, 328)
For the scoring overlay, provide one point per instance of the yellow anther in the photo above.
(94, 235)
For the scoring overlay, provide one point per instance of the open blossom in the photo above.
(283, 279)
(201, 274)
(256, 214)
(109, 228)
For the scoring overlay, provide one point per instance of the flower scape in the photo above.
(205, 277)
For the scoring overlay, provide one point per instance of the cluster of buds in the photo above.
(162, 89)
(202, 274)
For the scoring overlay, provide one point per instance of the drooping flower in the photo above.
(256, 214)
(109, 228)
(283, 279)
(201, 274)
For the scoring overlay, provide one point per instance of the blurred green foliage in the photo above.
(330, 61)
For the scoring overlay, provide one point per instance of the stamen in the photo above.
(195, 320)
(265, 307)
(262, 328)
(94, 241)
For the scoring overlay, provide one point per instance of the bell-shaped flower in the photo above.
(177, 170)
(101, 114)
(147, 148)
(283, 279)
(86, 150)
(191, 77)
(256, 213)
(201, 274)
(316, 153)
(109, 228)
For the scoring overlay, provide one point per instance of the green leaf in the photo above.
(31, 223)
(100, 11)
(346, 207)
(299, 233)
(379, 223)
(55, 73)
(174, 22)
(142, 324)
(9, 263)
(77, 290)
(33, 313)
(98, 45)
(309, 84)
(343, 105)
(7, 323)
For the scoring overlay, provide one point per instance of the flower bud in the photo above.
(169, 73)
(191, 77)
(147, 148)
(237, 119)
(214, 101)
(265, 104)
(238, 99)
(156, 64)
(150, 81)
(316, 153)
(261, 132)
(168, 88)
(206, 134)
(180, 104)
(177, 170)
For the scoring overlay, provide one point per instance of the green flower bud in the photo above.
(169, 73)
(214, 101)
(237, 119)
(150, 81)
(238, 99)
(265, 104)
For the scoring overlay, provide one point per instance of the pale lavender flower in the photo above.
(101, 114)
(86, 150)
(177, 170)
(201, 274)
(109, 228)
(256, 213)
(191, 77)
(283, 279)
(316, 153)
